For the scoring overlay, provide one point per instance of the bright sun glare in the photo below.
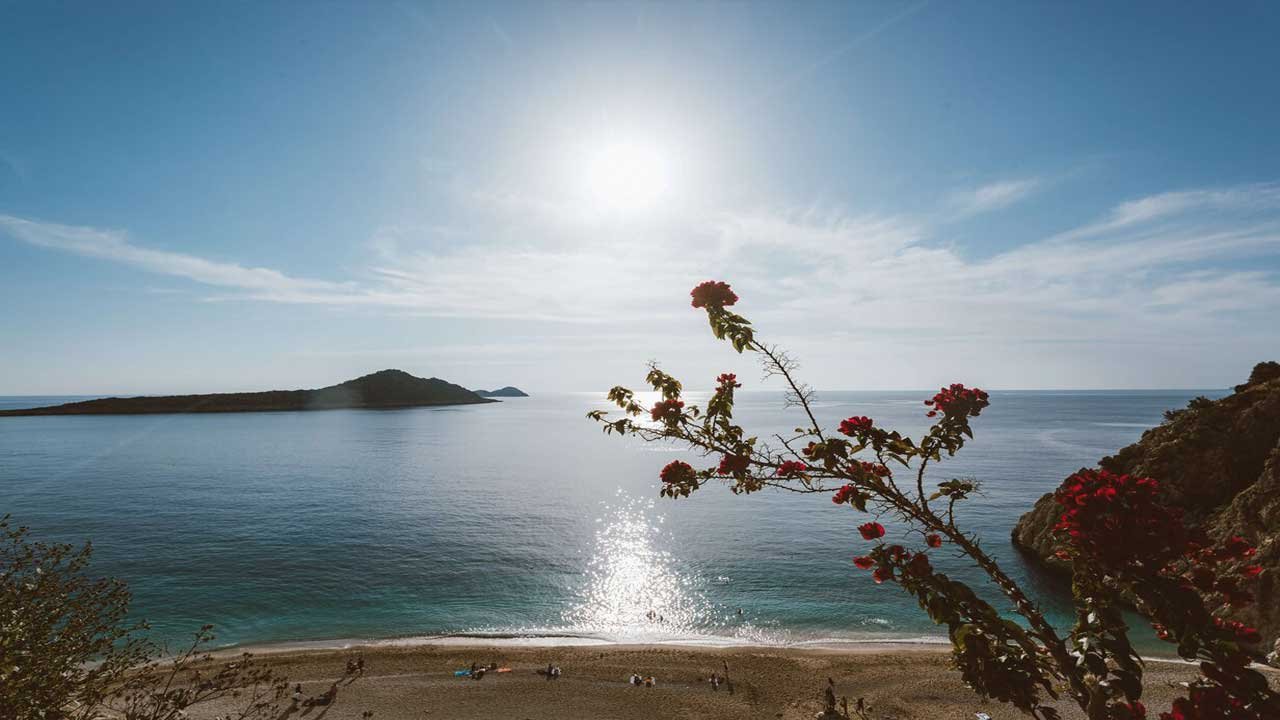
(627, 175)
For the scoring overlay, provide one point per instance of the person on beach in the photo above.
(555, 672)
(829, 698)
(328, 697)
(360, 664)
(650, 682)
(297, 696)
(715, 682)
(549, 669)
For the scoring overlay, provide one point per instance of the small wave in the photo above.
(554, 638)
(1049, 438)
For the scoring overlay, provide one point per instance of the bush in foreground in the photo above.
(68, 651)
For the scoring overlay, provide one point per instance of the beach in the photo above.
(896, 681)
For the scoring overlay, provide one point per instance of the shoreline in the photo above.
(898, 680)
(512, 641)
(515, 640)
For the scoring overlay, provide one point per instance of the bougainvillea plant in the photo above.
(1125, 547)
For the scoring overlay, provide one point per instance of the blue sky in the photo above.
(1017, 195)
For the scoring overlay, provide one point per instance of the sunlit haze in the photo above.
(251, 196)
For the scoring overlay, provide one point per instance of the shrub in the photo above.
(68, 651)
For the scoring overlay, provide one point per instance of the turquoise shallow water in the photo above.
(508, 519)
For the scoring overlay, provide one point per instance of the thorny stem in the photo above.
(785, 372)
(921, 513)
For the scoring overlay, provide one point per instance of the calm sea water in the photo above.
(509, 519)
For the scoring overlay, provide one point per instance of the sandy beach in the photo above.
(896, 682)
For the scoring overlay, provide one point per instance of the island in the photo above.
(385, 389)
(507, 392)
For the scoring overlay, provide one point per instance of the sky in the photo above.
(243, 196)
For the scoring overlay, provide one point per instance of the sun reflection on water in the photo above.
(632, 588)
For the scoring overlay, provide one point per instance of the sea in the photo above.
(517, 521)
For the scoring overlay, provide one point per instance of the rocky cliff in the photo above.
(1218, 460)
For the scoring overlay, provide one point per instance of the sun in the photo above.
(626, 176)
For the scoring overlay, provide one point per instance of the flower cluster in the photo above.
(844, 494)
(791, 468)
(865, 469)
(933, 540)
(858, 425)
(1129, 711)
(871, 530)
(1118, 520)
(727, 381)
(713, 294)
(1207, 702)
(1242, 632)
(910, 564)
(677, 472)
(958, 401)
(730, 464)
(666, 410)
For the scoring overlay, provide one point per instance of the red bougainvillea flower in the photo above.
(1118, 520)
(1208, 702)
(1129, 711)
(676, 472)
(666, 410)
(728, 381)
(1242, 632)
(843, 494)
(958, 401)
(1236, 548)
(871, 530)
(869, 469)
(730, 464)
(933, 540)
(881, 574)
(791, 468)
(856, 425)
(865, 562)
(1251, 571)
(713, 294)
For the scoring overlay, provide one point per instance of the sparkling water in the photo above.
(514, 519)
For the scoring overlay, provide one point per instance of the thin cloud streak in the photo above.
(994, 196)
(1149, 268)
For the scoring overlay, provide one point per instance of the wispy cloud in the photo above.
(1151, 267)
(993, 196)
(1238, 203)
(114, 245)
